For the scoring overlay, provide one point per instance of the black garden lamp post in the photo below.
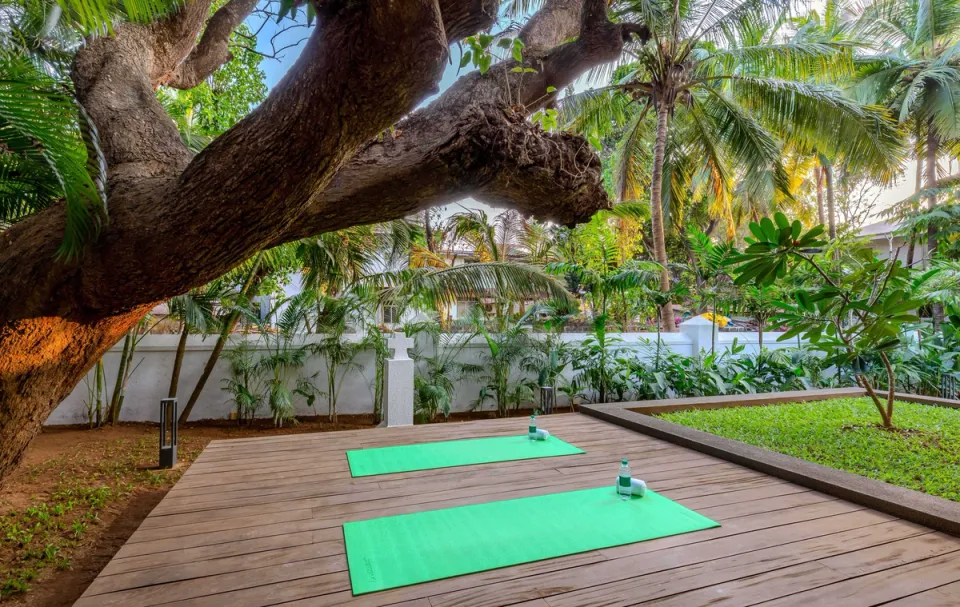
(168, 432)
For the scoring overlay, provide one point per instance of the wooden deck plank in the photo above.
(944, 596)
(876, 588)
(256, 521)
(747, 591)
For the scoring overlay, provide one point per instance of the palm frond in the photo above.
(827, 61)
(40, 123)
(722, 20)
(96, 17)
(821, 118)
(436, 288)
(633, 158)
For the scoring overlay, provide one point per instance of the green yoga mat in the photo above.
(446, 454)
(409, 549)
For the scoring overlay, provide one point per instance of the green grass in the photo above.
(842, 433)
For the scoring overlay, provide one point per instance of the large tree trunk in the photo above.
(933, 146)
(177, 222)
(465, 144)
(656, 212)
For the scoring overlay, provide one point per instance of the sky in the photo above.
(276, 68)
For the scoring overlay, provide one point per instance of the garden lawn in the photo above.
(843, 433)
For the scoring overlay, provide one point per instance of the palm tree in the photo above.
(710, 269)
(490, 239)
(248, 278)
(436, 288)
(915, 72)
(196, 312)
(713, 90)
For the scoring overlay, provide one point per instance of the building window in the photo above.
(391, 315)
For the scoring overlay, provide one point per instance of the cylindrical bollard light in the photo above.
(168, 433)
(548, 398)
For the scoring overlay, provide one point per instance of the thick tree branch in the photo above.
(172, 39)
(488, 153)
(414, 169)
(212, 51)
(462, 18)
(177, 223)
(556, 22)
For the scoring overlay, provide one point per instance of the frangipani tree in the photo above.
(853, 312)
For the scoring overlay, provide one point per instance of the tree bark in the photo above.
(656, 212)
(458, 146)
(428, 231)
(177, 222)
(117, 397)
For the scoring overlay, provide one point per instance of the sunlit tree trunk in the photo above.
(656, 212)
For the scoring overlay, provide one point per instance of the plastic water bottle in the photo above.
(623, 481)
(532, 428)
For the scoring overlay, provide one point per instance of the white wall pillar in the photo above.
(698, 330)
(398, 383)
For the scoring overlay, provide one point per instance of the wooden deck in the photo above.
(257, 522)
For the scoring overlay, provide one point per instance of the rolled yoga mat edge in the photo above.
(449, 454)
(408, 549)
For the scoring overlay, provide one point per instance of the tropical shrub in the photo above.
(244, 386)
(852, 311)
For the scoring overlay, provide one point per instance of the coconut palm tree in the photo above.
(916, 72)
(714, 90)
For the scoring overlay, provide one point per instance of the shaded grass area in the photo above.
(923, 453)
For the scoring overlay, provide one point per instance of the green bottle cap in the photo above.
(624, 462)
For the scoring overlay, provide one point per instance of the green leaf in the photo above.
(484, 64)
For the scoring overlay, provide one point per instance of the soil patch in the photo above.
(79, 494)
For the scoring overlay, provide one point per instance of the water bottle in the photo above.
(532, 428)
(623, 481)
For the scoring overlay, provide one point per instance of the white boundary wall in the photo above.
(151, 380)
